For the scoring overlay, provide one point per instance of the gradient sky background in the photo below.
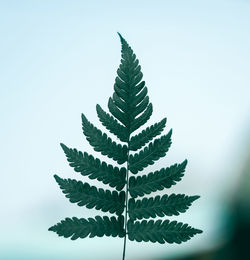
(59, 59)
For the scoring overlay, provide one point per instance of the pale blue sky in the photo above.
(59, 58)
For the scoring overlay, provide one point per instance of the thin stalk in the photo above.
(126, 209)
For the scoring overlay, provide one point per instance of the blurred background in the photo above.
(58, 59)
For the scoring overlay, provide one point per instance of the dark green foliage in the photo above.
(154, 151)
(160, 231)
(87, 165)
(94, 227)
(102, 143)
(129, 109)
(165, 178)
(111, 124)
(159, 206)
(130, 103)
(138, 141)
(85, 195)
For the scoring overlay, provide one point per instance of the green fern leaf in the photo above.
(102, 143)
(87, 165)
(112, 125)
(150, 154)
(85, 195)
(160, 231)
(98, 226)
(138, 141)
(129, 109)
(159, 206)
(158, 180)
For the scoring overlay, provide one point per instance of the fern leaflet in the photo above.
(81, 228)
(111, 124)
(150, 154)
(84, 194)
(138, 141)
(158, 180)
(160, 231)
(102, 143)
(87, 165)
(159, 206)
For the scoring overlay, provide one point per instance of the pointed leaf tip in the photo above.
(184, 163)
(195, 197)
(51, 228)
(121, 38)
(83, 117)
(57, 178)
(64, 147)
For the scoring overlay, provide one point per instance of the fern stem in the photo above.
(126, 209)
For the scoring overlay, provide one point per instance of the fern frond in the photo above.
(159, 206)
(102, 143)
(129, 108)
(150, 154)
(111, 124)
(92, 227)
(85, 195)
(160, 231)
(155, 181)
(139, 140)
(87, 165)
